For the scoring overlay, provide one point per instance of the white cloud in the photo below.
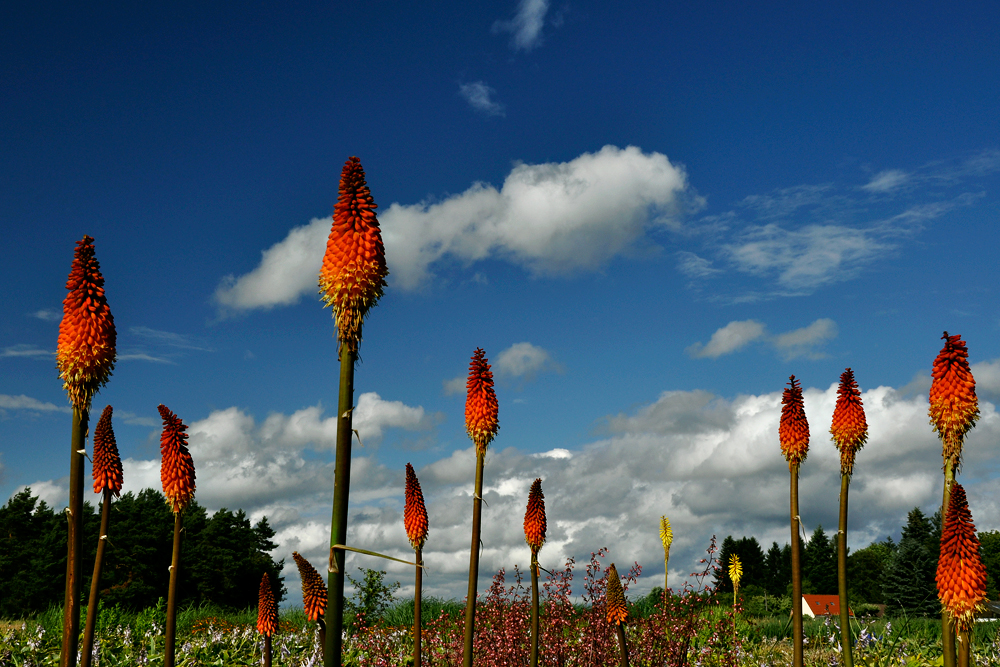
(552, 219)
(524, 360)
(803, 342)
(456, 385)
(26, 350)
(526, 26)
(480, 97)
(22, 402)
(46, 315)
(694, 266)
(143, 356)
(728, 339)
(886, 181)
(55, 492)
(987, 375)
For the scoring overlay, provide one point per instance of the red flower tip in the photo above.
(354, 270)
(481, 407)
(85, 353)
(414, 513)
(313, 588)
(617, 609)
(961, 576)
(267, 608)
(107, 469)
(793, 431)
(954, 407)
(850, 427)
(534, 517)
(176, 466)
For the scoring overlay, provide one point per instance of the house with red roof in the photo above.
(822, 605)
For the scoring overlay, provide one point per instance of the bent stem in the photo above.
(170, 632)
(74, 541)
(470, 603)
(534, 609)
(845, 616)
(338, 525)
(418, 586)
(102, 540)
(796, 570)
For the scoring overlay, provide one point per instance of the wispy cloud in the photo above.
(169, 339)
(886, 181)
(736, 335)
(730, 338)
(143, 356)
(455, 385)
(26, 350)
(556, 218)
(46, 315)
(694, 266)
(803, 342)
(22, 402)
(526, 26)
(480, 97)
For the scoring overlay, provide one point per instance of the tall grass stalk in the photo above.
(470, 603)
(170, 631)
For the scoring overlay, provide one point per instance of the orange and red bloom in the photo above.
(176, 466)
(481, 407)
(793, 431)
(954, 407)
(313, 588)
(961, 576)
(414, 511)
(267, 608)
(534, 517)
(617, 609)
(107, 469)
(85, 353)
(850, 427)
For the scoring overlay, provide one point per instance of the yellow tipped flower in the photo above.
(313, 588)
(107, 469)
(414, 512)
(353, 272)
(961, 576)
(85, 353)
(534, 517)
(850, 427)
(954, 407)
(267, 609)
(617, 609)
(176, 466)
(481, 407)
(666, 535)
(793, 431)
(735, 572)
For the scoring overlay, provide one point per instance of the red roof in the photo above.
(822, 605)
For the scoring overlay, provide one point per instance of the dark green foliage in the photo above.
(866, 569)
(751, 558)
(990, 550)
(222, 560)
(819, 567)
(372, 597)
(778, 568)
(908, 584)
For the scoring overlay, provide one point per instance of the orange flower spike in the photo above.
(793, 432)
(267, 608)
(961, 576)
(313, 588)
(353, 272)
(176, 466)
(414, 513)
(954, 407)
(107, 469)
(617, 610)
(850, 427)
(481, 405)
(85, 353)
(534, 517)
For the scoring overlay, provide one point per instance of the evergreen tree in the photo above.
(752, 559)
(722, 581)
(908, 584)
(866, 569)
(820, 563)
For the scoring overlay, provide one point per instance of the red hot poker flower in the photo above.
(176, 466)
(954, 407)
(353, 272)
(85, 353)
(793, 432)
(961, 576)
(534, 517)
(107, 469)
(313, 588)
(481, 407)
(414, 512)
(267, 609)
(850, 427)
(617, 609)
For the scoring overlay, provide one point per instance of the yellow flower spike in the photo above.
(735, 572)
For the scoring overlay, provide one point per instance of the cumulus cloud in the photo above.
(526, 26)
(555, 218)
(987, 374)
(803, 342)
(524, 360)
(886, 181)
(480, 97)
(22, 402)
(730, 338)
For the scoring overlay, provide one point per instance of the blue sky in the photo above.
(648, 217)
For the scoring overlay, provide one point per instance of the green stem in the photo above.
(845, 616)
(964, 647)
(170, 632)
(74, 541)
(470, 603)
(95, 585)
(666, 587)
(267, 650)
(338, 525)
(534, 609)
(947, 627)
(624, 646)
(796, 571)
(418, 586)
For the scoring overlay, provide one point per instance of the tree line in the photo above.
(898, 575)
(223, 556)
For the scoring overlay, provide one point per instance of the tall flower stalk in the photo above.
(313, 594)
(667, 538)
(415, 522)
(849, 430)
(85, 357)
(735, 574)
(793, 433)
(954, 409)
(617, 610)
(267, 616)
(534, 535)
(481, 423)
(178, 479)
(107, 473)
(351, 281)
(961, 575)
